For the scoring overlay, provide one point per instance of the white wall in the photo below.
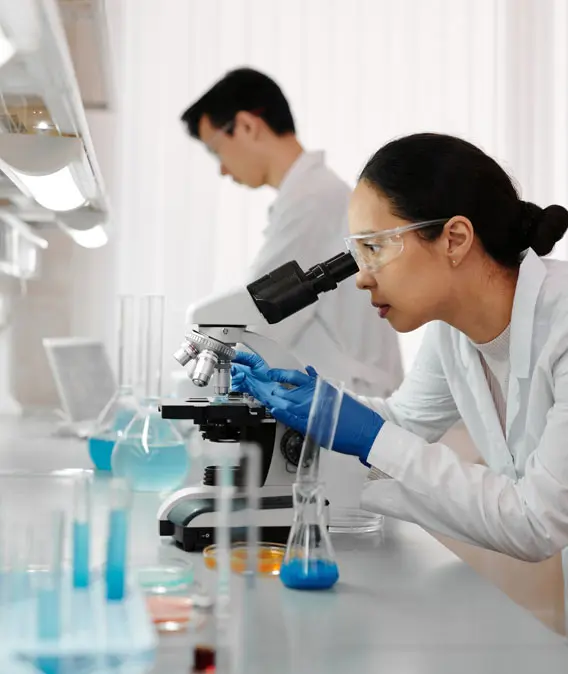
(357, 72)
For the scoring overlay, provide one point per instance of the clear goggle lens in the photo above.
(374, 250)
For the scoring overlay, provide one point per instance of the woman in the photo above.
(441, 237)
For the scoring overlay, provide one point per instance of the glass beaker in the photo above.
(151, 455)
(309, 562)
(121, 408)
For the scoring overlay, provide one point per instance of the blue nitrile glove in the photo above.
(248, 375)
(291, 405)
(246, 363)
(357, 426)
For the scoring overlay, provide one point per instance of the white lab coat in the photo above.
(518, 503)
(341, 334)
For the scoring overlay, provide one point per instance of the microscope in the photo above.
(219, 324)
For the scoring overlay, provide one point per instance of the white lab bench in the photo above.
(404, 603)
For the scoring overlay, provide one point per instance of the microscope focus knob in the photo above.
(291, 446)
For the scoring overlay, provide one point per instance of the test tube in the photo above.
(47, 549)
(117, 540)
(245, 646)
(224, 507)
(15, 588)
(251, 454)
(81, 531)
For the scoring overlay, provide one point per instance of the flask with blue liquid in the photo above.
(309, 562)
(151, 455)
(121, 408)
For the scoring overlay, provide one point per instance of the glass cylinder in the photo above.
(121, 408)
(151, 454)
(150, 348)
(320, 432)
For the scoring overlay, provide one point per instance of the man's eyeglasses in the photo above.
(213, 144)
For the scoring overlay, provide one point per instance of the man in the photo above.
(245, 120)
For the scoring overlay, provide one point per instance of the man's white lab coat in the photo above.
(518, 503)
(341, 334)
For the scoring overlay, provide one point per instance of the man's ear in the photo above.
(248, 124)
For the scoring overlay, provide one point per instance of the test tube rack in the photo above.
(94, 634)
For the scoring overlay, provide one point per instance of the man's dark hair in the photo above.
(239, 90)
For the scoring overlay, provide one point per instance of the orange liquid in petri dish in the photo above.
(269, 557)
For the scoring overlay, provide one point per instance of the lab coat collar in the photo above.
(531, 277)
(295, 174)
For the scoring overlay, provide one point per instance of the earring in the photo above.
(453, 262)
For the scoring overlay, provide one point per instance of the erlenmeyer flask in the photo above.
(121, 408)
(151, 454)
(309, 562)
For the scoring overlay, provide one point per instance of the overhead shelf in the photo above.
(45, 146)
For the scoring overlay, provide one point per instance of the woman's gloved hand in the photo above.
(288, 394)
(357, 426)
(249, 375)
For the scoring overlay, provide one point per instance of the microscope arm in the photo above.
(238, 316)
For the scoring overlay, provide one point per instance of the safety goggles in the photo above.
(374, 250)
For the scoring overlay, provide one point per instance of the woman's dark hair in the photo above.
(239, 90)
(430, 176)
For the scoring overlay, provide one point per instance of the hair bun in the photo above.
(544, 226)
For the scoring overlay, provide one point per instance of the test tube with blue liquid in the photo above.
(81, 532)
(117, 540)
(47, 547)
(309, 562)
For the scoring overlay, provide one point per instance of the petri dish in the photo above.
(170, 595)
(165, 579)
(269, 555)
(354, 521)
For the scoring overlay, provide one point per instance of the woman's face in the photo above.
(414, 284)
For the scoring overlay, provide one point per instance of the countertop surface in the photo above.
(404, 603)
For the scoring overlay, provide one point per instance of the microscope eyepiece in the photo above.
(286, 290)
(326, 275)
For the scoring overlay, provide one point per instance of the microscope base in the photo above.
(192, 522)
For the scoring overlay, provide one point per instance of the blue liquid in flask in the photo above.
(157, 467)
(317, 574)
(100, 451)
(102, 444)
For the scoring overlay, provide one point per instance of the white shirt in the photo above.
(518, 503)
(341, 334)
(497, 368)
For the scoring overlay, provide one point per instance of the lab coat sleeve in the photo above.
(424, 403)
(431, 486)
